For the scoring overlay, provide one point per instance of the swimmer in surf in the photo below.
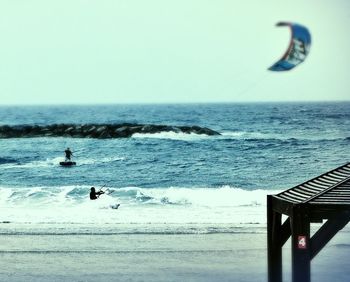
(94, 195)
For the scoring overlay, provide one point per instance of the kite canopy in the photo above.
(298, 48)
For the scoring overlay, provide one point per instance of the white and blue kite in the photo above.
(298, 48)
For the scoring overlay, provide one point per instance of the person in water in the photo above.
(69, 154)
(94, 195)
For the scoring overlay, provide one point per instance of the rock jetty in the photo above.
(101, 131)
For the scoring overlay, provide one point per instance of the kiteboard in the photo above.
(115, 207)
(67, 163)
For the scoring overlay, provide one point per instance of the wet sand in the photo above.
(207, 257)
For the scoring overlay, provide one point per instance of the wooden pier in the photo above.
(326, 197)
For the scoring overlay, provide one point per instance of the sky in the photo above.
(169, 51)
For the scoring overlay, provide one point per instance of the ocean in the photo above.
(167, 182)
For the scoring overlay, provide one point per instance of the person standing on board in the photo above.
(69, 154)
(94, 195)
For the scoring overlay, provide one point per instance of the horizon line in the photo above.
(173, 103)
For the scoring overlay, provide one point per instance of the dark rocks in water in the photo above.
(123, 131)
(101, 131)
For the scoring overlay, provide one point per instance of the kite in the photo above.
(298, 48)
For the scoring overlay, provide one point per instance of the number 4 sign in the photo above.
(302, 242)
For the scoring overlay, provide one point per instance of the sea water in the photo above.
(167, 182)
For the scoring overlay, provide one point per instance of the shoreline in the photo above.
(139, 257)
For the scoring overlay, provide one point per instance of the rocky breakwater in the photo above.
(95, 130)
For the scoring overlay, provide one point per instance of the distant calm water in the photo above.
(166, 182)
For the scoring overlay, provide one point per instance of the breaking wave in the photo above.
(256, 136)
(172, 135)
(158, 210)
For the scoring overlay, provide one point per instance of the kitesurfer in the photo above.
(69, 154)
(94, 195)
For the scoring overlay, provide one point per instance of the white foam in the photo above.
(171, 135)
(241, 135)
(166, 206)
(252, 135)
(88, 161)
(207, 197)
(49, 162)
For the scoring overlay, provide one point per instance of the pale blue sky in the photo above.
(159, 51)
